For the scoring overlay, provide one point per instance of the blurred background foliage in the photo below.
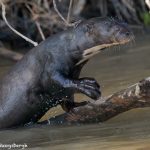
(28, 15)
(146, 19)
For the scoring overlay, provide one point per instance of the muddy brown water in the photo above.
(115, 69)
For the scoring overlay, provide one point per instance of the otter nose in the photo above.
(127, 33)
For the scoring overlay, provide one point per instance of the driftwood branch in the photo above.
(37, 23)
(59, 14)
(147, 3)
(14, 30)
(69, 11)
(66, 21)
(135, 96)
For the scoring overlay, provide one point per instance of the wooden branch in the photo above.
(14, 30)
(78, 6)
(37, 23)
(69, 11)
(59, 14)
(66, 21)
(10, 54)
(148, 3)
(135, 96)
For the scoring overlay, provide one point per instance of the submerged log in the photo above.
(135, 96)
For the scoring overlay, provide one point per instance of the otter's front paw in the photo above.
(89, 87)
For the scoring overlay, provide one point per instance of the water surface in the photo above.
(114, 69)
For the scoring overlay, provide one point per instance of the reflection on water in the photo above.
(131, 130)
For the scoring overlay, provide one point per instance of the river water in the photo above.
(114, 69)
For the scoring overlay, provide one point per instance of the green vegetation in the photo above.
(146, 18)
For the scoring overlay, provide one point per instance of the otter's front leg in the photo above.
(68, 103)
(87, 86)
(67, 106)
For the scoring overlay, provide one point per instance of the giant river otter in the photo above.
(49, 73)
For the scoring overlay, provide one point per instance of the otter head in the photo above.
(113, 32)
(102, 33)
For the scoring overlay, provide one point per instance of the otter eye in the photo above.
(117, 29)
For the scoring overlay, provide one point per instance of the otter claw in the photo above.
(89, 87)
